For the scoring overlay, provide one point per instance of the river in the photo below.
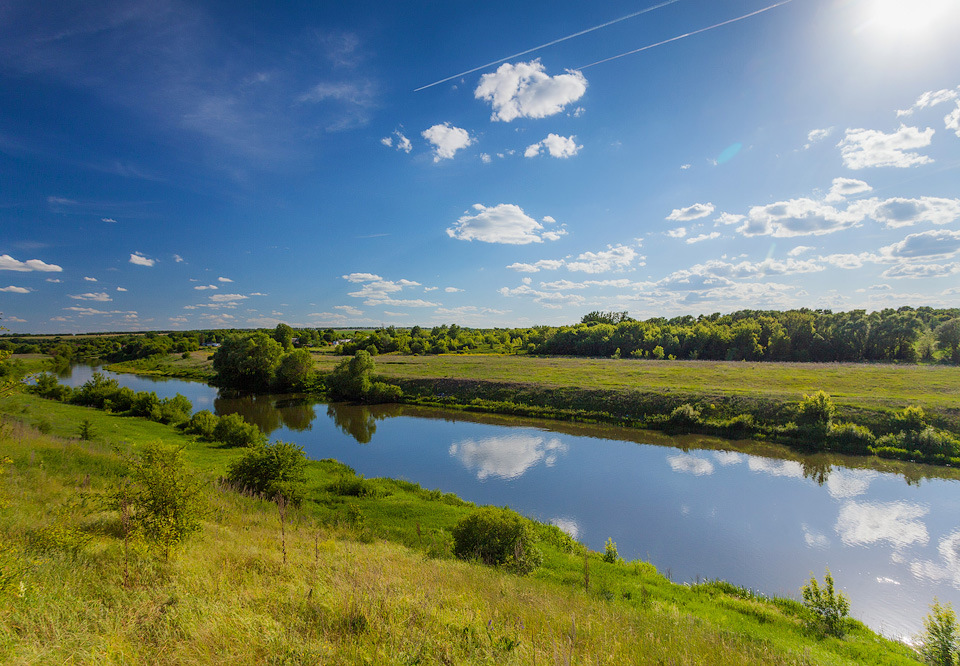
(756, 515)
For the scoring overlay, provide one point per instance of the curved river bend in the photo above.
(759, 516)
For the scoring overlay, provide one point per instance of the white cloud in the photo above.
(679, 232)
(866, 523)
(108, 219)
(446, 140)
(813, 136)
(862, 148)
(402, 143)
(486, 159)
(140, 260)
(90, 279)
(54, 280)
(205, 287)
(928, 99)
(948, 569)
(613, 258)
(8, 263)
(899, 212)
(348, 310)
(524, 90)
(223, 279)
(846, 187)
(99, 296)
(694, 212)
(121, 289)
(451, 290)
(91, 311)
(503, 223)
(922, 271)
(688, 464)
(846, 483)
(727, 219)
(952, 120)
(177, 259)
(558, 146)
(377, 291)
(227, 298)
(552, 300)
(703, 237)
(799, 217)
(536, 267)
(684, 167)
(15, 290)
(507, 457)
(786, 468)
(938, 243)
(798, 250)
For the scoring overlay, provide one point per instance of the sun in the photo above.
(907, 18)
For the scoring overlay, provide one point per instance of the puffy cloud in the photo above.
(402, 143)
(506, 457)
(536, 267)
(786, 468)
(348, 310)
(524, 90)
(451, 290)
(938, 243)
(223, 279)
(694, 212)
(799, 217)
(866, 523)
(727, 219)
(798, 250)
(558, 146)
(86, 312)
(15, 290)
(99, 296)
(922, 271)
(846, 483)
(817, 135)
(90, 279)
(846, 187)
(948, 568)
(552, 300)
(121, 289)
(8, 263)
(108, 219)
(928, 99)
(446, 140)
(613, 258)
(206, 287)
(899, 212)
(377, 291)
(177, 259)
(703, 237)
(862, 148)
(503, 223)
(227, 298)
(138, 259)
(952, 120)
(485, 158)
(679, 232)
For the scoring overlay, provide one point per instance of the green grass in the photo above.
(368, 580)
(196, 366)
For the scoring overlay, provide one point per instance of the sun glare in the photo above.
(907, 18)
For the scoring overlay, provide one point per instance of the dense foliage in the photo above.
(271, 470)
(497, 536)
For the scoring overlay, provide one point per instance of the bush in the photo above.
(147, 405)
(202, 424)
(940, 641)
(829, 608)
(852, 438)
(272, 470)
(48, 387)
(912, 418)
(497, 537)
(233, 431)
(816, 410)
(610, 553)
(164, 502)
(175, 410)
(685, 415)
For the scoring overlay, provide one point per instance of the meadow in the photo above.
(362, 573)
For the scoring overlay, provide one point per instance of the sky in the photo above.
(168, 165)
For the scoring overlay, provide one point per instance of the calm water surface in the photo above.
(758, 516)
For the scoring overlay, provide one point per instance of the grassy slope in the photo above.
(358, 586)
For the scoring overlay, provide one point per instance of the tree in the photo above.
(165, 503)
(948, 338)
(283, 334)
(247, 362)
(940, 641)
(816, 411)
(295, 371)
(274, 470)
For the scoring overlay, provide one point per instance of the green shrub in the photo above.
(164, 502)
(940, 641)
(610, 553)
(497, 536)
(829, 607)
(147, 405)
(816, 410)
(49, 387)
(175, 410)
(352, 486)
(203, 424)
(272, 470)
(685, 414)
(912, 418)
(233, 431)
(852, 438)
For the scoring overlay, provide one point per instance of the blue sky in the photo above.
(201, 165)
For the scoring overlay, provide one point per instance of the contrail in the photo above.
(689, 34)
(556, 41)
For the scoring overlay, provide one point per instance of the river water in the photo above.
(756, 515)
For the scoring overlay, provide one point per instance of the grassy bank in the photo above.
(368, 579)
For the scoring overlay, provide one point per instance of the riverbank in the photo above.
(726, 399)
(369, 577)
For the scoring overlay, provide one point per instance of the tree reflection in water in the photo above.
(358, 421)
(269, 412)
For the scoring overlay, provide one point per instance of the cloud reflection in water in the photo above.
(506, 457)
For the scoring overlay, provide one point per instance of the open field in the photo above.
(368, 578)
